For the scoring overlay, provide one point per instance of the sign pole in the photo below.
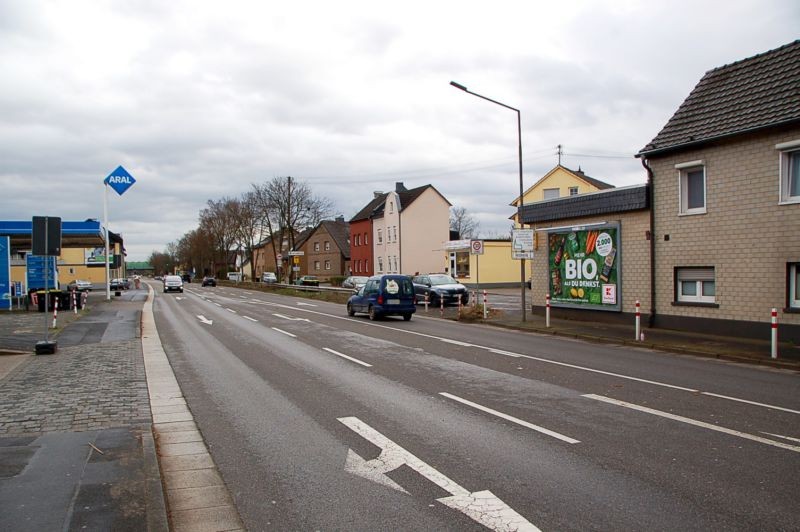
(105, 225)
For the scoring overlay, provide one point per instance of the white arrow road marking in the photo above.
(481, 506)
(179, 298)
(283, 332)
(290, 318)
(204, 319)
(518, 421)
(305, 304)
(694, 422)
(338, 354)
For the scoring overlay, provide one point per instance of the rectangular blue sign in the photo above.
(5, 272)
(36, 274)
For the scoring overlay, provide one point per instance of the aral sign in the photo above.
(583, 267)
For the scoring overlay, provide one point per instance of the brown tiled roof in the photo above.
(754, 93)
(600, 185)
(340, 232)
(368, 209)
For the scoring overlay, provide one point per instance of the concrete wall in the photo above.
(746, 235)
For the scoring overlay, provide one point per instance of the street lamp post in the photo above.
(519, 205)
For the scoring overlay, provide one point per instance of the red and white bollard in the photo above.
(459, 308)
(55, 312)
(74, 303)
(85, 299)
(441, 306)
(638, 321)
(547, 311)
(474, 298)
(484, 304)
(774, 349)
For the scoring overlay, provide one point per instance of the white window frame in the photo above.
(316, 265)
(683, 188)
(316, 246)
(327, 245)
(698, 276)
(380, 236)
(573, 191)
(327, 265)
(788, 151)
(794, 285)
(380, 264)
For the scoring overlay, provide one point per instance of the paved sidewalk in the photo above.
(76, 444)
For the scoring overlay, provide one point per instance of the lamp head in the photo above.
(458, 85)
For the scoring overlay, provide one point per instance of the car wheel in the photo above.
(434, 299)
(181, 290)
(372, 314)
(350, 311)
(464, 299)
(406, 317)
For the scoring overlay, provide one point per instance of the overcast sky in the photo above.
(197, 100)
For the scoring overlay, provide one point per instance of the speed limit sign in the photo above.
(476, 247)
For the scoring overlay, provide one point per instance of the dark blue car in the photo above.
(384, 295)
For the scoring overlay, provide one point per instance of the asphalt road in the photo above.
(321, 421)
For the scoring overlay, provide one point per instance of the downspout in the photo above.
(651, 196)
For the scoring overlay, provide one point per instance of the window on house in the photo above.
(327, 265)
(573, 191)
(794, 285)
(790, 171)
(316, 246)
(692, 187)
(327, 246)
(316, 265)
(366, 239)
(550, 193)
(391, 206)
(395, 233)
(380, 236)
(695, 285)
(380, 264)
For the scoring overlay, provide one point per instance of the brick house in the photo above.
(361, 257)
(327, 249)
(725, 172)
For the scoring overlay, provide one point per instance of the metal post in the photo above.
(426, 303)
(547, 311)
(441, 306)
(105, 224)
(774, 348)
(484, 304)
(638, 321)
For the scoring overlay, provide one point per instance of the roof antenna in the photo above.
(559, 155)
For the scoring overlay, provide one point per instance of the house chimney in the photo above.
(399, 187)
(340, 218)
(377, 194)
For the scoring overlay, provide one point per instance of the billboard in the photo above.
(94, 256)
(583, 267)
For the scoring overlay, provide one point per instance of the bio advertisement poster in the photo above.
(584, 267)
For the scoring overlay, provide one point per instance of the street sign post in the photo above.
(522, 244)
(120, 180)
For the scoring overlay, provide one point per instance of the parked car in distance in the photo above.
(440, 287)
(173, 283)
(208, 281)
(307, 280)
(80, 285)
(186, 278)
(269, 277)
(384, 295)
(158, 278)
(234, 276)
(354, 281)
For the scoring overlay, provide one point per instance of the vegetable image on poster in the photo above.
(583, 267)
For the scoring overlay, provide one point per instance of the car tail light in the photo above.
(380, 300)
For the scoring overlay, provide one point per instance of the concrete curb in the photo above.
(157, 520)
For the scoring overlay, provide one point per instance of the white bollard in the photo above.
(547, 311)
(426, 303)
(55, 312)
(484, 305)
(638, 322)
(441, 306)
(774, 349)
(74, 303)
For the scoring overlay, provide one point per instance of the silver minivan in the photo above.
(173, 283)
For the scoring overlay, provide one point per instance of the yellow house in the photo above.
(557, 183)
(493, 269)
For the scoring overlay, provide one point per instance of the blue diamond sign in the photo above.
(120, 180)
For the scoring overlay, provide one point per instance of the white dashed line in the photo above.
(351, 359)
(283, 332)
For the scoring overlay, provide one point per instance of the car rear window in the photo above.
(400, 286)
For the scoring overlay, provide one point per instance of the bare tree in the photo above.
(218, 221)
(463, 223)
(248, 226)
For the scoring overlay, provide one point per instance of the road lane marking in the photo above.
(694, 422)
(338, 354)
(455, 342)
(539, 359)
(283, 332)
(230, 310)
(249, 318)
(217, 304)
(481, 506)
(290, 318)
(513, 419)
(782, 437)
(205, 320)
(306, 304)
(751, 402)
(506, 353)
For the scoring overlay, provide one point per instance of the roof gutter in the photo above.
(694, 143)
(651, 193)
